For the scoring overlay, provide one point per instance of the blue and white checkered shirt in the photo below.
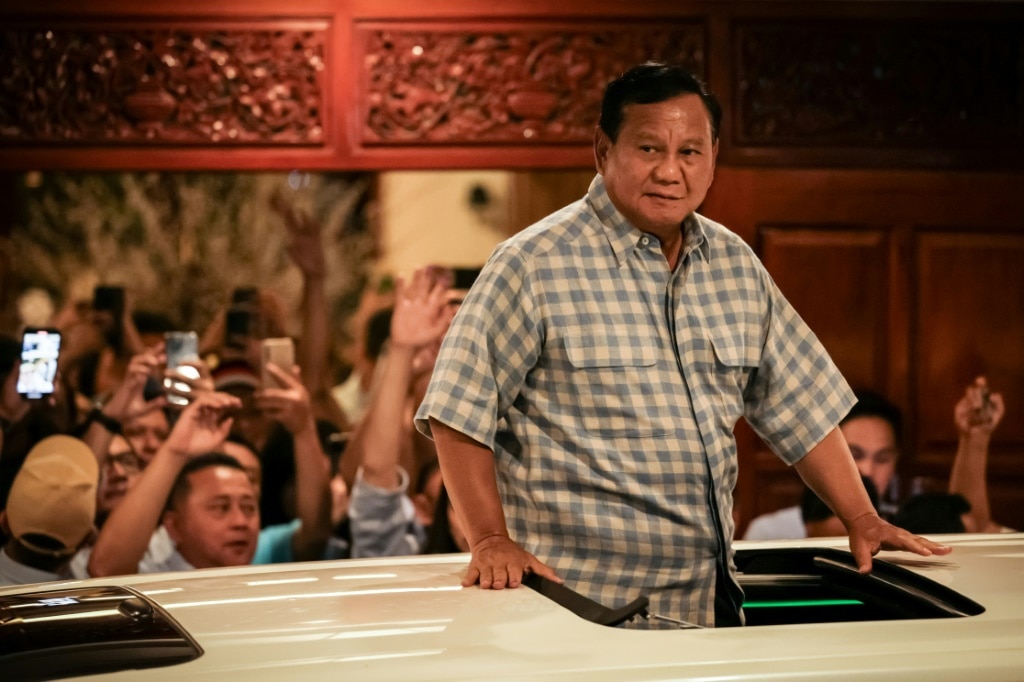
(608, 387)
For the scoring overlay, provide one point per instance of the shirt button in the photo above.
(645, 241)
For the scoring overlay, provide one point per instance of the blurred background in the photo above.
(872, 153)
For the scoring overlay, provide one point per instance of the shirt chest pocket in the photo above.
(616, 387)
(735, 354)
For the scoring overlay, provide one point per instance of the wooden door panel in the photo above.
(969, 321)
(837, 279)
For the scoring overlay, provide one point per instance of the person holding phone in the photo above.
(24, 421)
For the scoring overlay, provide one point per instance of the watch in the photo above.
(109, 423)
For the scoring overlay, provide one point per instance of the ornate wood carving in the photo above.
(874, 84)
(162, 84)
(507, 85)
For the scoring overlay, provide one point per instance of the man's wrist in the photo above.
(98, 416)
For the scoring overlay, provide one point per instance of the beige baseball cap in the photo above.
(54, 496)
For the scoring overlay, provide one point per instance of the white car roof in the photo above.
(410, 619)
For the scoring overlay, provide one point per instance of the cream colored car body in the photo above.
(409, 619)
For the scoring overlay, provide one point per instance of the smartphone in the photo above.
(245, 296)
(37, 374)
(110, 300)
(181, 347)
(281, 352)
(239, 324)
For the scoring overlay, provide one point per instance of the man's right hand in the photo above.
(203, 425)
(127, 402)
(498, 562)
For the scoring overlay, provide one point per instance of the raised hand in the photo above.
(306, 247)
(203, 425)
(288, 403)
(979, 410)
(187, 380)
(127, 401)
(422, 314)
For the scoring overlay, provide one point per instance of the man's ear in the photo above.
(171, 523)
(601, 146)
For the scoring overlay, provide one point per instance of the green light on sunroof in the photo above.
(801, 602)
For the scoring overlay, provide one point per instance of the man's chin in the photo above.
(237, 555)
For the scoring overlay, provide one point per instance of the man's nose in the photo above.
(669, 168)
(152, 442)
(866, 467)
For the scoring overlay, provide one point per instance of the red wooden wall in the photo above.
(871, 151)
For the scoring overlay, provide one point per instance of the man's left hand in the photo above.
(870, 534)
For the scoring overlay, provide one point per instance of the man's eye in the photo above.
(858, 454)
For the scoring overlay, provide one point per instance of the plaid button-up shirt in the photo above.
(608, 387)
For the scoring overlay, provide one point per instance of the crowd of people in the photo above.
(535, 422)
(137, 464)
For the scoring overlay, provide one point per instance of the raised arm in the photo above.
(289, 404)
(829, 470)
(976, 416)
(126, 402)
(420, 319)
(125, 536)
(306, 251)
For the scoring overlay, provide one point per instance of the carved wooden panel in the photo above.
(162, 83)
(511, 83)
(878, 84)
(851, 264)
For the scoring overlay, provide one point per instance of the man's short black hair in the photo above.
(650, 83)
(182, 486)
(871, 404)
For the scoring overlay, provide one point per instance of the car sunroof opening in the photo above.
(822, 585)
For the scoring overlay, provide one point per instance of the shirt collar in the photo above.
(624, 239)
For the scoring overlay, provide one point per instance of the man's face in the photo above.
(873, 445)
(218, 522)
(146, 433)
(660, 168)
(120, 470)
